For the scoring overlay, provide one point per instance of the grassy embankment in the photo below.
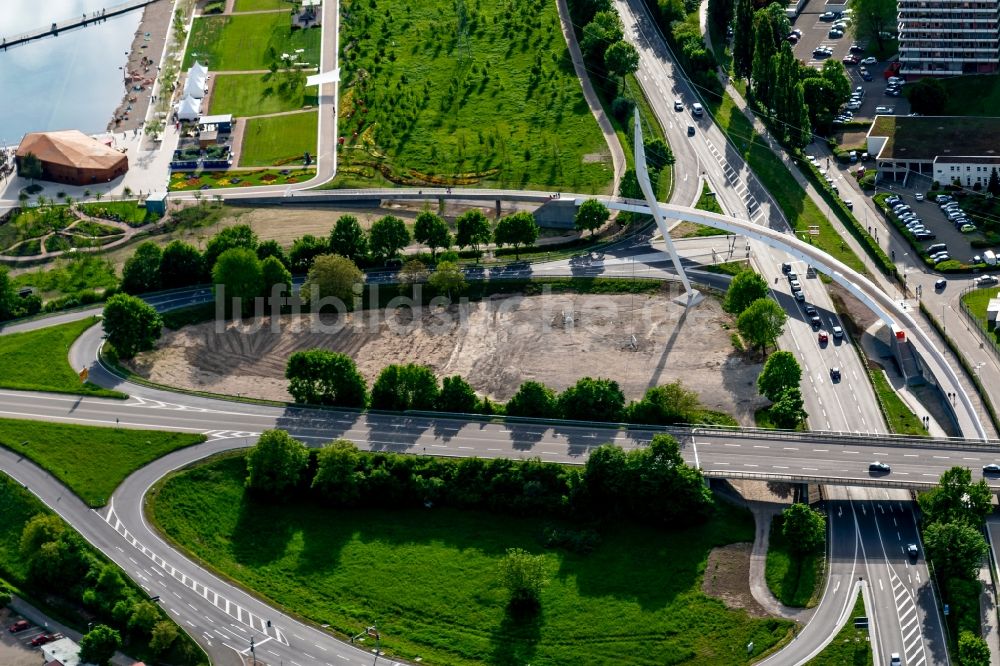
(793, 580)
(37, 361)
(850, 647)
(429, 576)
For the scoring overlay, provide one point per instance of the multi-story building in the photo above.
(949, 37)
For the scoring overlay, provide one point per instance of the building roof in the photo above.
(64, 651)
(70, 148)
(927, 137)
(217, 119)
(966, 159)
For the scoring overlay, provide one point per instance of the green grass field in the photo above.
(90, 461)
(901, 418)
(794, 580)
(429, 578)
(261, 94)
(977, 300)
(850, 647)
(464, 93)
(37, 361)
(258, 5)
(68, 277)
(798, 208)
(248, 42)
(280, 140)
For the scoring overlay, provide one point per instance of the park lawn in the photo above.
(280, 140)
(971, 95)
(259, 5)
(245, 42)
(850, 647)
(977, 301)
(259, 94)
(800, 211)
(37, 361)
(90, 461)
(795, 581)
(447, 93)
(429, 577)
(901, 419)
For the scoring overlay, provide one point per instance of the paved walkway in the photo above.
(763, 513)
(610, 136)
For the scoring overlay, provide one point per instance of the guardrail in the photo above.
(865, 439)
(881, 482)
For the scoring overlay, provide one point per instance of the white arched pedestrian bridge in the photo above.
(895, 316)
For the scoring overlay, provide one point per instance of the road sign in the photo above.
(749, 647)
(946, 609)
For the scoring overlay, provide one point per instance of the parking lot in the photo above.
(16, 647)
(937, 222)
(816, 33)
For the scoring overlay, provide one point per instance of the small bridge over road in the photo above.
(54, 28)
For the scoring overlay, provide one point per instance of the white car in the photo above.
(886, 110)
(854, 106)
(895, 81)
(870, 60)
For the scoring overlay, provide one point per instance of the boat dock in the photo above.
(82, 20)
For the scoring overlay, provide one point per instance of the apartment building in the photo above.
(949, 37)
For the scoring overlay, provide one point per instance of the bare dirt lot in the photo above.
(727, 578)
(495, 344)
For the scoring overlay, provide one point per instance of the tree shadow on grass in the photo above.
(515, 641)
(262, 533)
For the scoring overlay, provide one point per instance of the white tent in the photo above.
(197, 69)
(197, 81)
(188, 108)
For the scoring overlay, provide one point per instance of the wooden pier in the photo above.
(77, 22)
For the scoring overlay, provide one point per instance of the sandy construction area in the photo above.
(495, 344)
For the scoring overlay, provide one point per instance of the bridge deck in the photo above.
(56, 27)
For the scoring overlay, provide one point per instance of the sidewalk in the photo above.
(763, 513)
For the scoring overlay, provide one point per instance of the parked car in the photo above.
(937, 247)
(857, 48)
(942, 198)
(892, 92)
(850, 59)
(941, 258)
(867, 76)
(42, 639)
(827, 16)
(835, 33)
(967, 228)
(919, 196)
(879, 467)
(925, 235)
(892, 200)
(986, 280)
(854, 106)
(885, 110)
(870, 60)
(896, 80)
(936, 257)
(20, 625)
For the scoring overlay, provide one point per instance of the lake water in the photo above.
(71, 81)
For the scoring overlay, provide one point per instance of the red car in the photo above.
(42, 640)
(20, 625)
(823, 337)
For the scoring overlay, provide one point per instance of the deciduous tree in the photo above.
(163, 636)
(181, 265)
(141, 272)
(745, 288)
(432, 231)
(591, 216)
(332, 276)
(275, 464)
(448, 277)
(788, 411)
(957, 549)
(272, 248)
(593, 400)
(927, 97)
(29, 167)
(457, 396)
(273, 272)
(472, 229)
(322, 377)
(144, 617)
(743, 39)
(131, 324)
(403, 387)
(304, 251)
(533, 399)
(666, 404)
(517, 230)
(804, 528)
(972, 650)
(603, 30)
(523, 576)
(99, 644)
(239, 273)
(658, 154)
(957, 499)
(781, 371)
(761, 323)
(874, 20)
(240, 235)
(621, 59)
(387, 237)
(337, 478)
(348, 239)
